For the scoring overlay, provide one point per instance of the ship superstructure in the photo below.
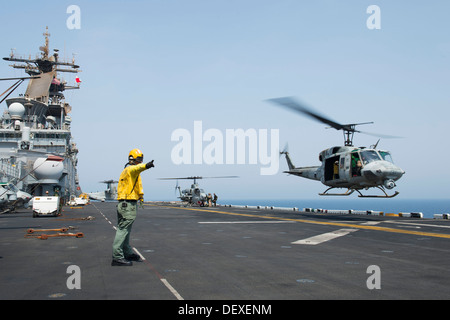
(37, 150)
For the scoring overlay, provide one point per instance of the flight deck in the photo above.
(224, 253)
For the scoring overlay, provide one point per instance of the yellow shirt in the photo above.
(130, 178)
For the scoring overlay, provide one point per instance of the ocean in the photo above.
(428, 207)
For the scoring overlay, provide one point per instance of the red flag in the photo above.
(77, 80)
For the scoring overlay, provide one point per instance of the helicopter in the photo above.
(109, 194)
(11, 198)
(354, 168)
(195, 195)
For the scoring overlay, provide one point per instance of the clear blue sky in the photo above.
(151, 67)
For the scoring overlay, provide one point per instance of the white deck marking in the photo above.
(371, 223)
(324, 237)
(418, 224)
(231, 222)
(174, 292)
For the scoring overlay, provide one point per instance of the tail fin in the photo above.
(179, 189)
(288, 160)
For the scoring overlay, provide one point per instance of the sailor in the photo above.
(336, 170)
(129, 192)
(209, 198)
(215, 200)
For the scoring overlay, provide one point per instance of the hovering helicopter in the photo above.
(346, 166)
(195, 195)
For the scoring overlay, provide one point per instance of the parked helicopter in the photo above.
(109, 194)
(11, 198)
(195, 195)
(346, 166)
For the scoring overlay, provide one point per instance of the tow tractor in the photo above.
(46, 206)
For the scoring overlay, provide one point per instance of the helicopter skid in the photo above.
(378, 196)
(347, 193)
(350, 191)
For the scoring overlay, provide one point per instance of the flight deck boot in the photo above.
(121, 262)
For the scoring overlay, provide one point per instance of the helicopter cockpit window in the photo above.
(369, 156)
(386, 156)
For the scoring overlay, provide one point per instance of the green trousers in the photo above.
(126, 214)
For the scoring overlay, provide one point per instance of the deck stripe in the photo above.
(174, 292)
(321, 238)
(339, 224)
(243, 222)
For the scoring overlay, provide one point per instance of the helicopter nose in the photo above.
(396, 172)
(382, 170)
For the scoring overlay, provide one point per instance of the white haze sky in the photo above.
(152, 67)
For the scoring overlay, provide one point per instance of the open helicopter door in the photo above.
(332, 168)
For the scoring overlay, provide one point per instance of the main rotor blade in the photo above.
(191, 178)
(290, 103)
(385, 136)
(183, 178)
(220, 177)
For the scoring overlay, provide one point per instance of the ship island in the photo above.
(38, 154)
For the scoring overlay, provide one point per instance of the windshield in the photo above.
(369, 156)
(386, 156)
(199, 191)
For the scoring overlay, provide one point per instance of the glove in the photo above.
(149, 165)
